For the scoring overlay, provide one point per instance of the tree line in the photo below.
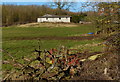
(20, 14)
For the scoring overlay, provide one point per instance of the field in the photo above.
(22, 40)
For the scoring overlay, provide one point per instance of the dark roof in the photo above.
(52, 16)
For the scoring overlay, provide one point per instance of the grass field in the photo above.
(21, 41)
(17, 32)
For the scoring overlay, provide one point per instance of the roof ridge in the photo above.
(49, 15)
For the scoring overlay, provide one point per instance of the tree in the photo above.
(108, 19)
(78, 17)
(62, 4)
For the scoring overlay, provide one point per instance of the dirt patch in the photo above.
(56, 38)
(48, 25)
(95, 70)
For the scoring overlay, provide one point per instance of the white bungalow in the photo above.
(53, 18)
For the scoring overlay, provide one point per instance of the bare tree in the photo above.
(87, 6)
(62, 4)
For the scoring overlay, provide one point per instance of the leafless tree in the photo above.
(62, 4)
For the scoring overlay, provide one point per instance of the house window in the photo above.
(60, 18)
(46, 18)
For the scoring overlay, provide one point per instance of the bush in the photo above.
(77, 18)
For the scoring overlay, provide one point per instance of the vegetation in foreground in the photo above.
(98, 66)
(62, 63)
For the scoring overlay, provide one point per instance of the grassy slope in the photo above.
(19, 48)
(11, 32)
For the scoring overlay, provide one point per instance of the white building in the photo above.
(53, 18)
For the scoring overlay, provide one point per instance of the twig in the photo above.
(21, 65)
(105, 71)
(9, 55)
(8, 75)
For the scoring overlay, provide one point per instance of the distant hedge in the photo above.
(78, 17)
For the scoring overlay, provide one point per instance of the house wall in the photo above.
(54, 19)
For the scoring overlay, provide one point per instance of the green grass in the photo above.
(13, 32)
(26, 47)
(19, 48)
